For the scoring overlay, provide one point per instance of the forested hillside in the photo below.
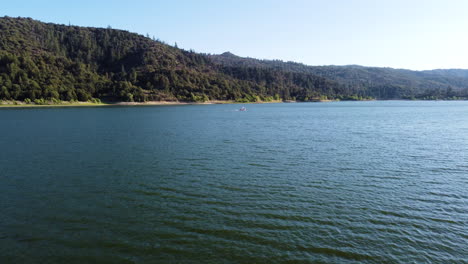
(49, 62)
(381, 83)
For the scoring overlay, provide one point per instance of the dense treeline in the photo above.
(381, 83)
(47, 62)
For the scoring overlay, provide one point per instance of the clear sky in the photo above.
(411, 34)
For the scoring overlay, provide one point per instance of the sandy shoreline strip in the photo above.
(74, 104)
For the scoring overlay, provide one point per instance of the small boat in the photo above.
(243, 109)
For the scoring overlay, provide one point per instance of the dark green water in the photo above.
(347, 182)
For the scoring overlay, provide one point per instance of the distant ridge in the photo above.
(50, 62)
(228, 54)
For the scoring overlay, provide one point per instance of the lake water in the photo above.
(341, 182)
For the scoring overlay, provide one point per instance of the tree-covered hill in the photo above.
(49, 62)
(382, 83)
(42, 61)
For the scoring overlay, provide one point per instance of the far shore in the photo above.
(74, 104)
(8, 104)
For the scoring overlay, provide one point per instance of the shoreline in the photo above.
(22, 104)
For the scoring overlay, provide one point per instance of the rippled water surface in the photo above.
(344, 182)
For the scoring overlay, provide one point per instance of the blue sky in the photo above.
(411, 34)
